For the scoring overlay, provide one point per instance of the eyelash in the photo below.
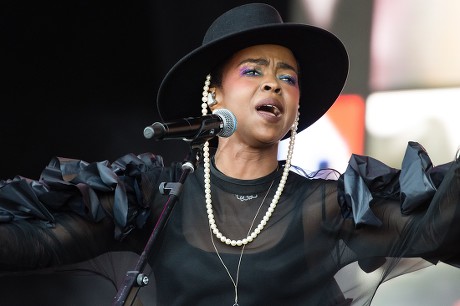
(285, 77)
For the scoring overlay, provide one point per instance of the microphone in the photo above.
(221, 123)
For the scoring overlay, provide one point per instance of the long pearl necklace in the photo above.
(206, 99)
(207, 189)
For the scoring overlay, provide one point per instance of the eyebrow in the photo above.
(264, 62)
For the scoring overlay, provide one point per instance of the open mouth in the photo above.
(268, 108)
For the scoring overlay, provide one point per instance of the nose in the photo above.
(271, 85)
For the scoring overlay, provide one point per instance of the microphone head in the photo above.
(228, 120)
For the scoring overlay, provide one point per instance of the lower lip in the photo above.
(269, 117)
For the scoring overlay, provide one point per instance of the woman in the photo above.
(245, 230)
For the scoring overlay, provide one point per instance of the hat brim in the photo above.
(322, 58)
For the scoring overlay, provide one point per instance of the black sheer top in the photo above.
(328, 242)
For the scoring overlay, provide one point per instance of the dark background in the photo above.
(79, 78)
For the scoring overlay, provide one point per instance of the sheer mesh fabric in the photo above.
(310, 253)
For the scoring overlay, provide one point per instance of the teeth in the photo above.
(270, 108)
(276, 111)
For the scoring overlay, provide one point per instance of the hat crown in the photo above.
(240, 19)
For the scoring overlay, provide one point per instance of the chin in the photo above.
(269, 141)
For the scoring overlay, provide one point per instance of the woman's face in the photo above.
(260, 86)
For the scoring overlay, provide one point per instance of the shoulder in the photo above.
(306, 186)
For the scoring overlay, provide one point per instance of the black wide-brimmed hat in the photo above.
(322, 58)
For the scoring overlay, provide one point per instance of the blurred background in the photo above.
(79, 80)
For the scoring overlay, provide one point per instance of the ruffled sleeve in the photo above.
(75, 210)
(428, 196)
(367, 179)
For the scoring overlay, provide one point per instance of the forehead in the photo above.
(272, 53)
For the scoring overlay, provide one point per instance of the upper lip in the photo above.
(270, 105)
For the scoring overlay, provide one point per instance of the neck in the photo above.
(246, 163)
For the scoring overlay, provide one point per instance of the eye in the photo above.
(250, 72)
(291, 80)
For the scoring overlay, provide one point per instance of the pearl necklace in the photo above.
(271, 208)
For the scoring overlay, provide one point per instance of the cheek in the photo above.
(293, 92)
(234, 82)
(292, 96)
(237, 93)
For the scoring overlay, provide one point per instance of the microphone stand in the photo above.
(135, 279)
